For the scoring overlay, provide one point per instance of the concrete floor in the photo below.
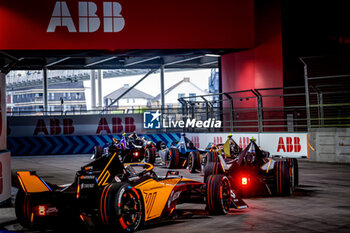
(320, 204)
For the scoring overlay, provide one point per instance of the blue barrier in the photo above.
(64, 145)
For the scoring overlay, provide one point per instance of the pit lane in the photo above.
(320, 204)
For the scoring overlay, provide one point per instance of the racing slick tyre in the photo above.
(283, 181)
(194, 162)
(23, 208)
(121, 207)
(173, 159)
(150, 155)
(295, 172)
(218, 195)
(212, 156)
(213, 168)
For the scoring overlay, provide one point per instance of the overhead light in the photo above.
(212, 55)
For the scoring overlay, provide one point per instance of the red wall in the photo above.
(260, 67)
(149, 24)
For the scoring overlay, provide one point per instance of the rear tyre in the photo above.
(296, 172)
(23, 208)
(212, 156)
(218, 195)
(283, 183)
(194, 163)
(173, 158)
(150, 155)
(213, 168)
(121, 206)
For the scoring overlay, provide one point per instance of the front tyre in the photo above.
(218, 194)
(23, 208)
(173, 159)
(121, 206)
(150, 155)
(194, 163)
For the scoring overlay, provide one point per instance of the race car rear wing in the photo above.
(31, 182)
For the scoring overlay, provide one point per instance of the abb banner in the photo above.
(2, 112)
(292, 145)
(74, 125)
(126, 24)
(5, 176)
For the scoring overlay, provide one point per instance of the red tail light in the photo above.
(244, 180)
(136, 154)
(42, 210)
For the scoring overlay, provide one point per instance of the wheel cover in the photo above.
(130, 210)
(190, 162)
(225, 195)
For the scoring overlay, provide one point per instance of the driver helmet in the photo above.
(229, 136)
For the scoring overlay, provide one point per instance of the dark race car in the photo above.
(182, 154)
(230, 149)
(136, 149)
(107, 194)
(255, 172)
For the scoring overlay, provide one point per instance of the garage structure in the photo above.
(245, 39)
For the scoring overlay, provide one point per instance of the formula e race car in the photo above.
(254, 172)
(107, 194)
(182, 154)
(230, 149)
(135, 149)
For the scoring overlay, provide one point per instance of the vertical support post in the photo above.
(307, 97)
(45, 90)
(321, 109)
(260, 116)
(99, 88)
(231, 110)
(162, 96)
(221, 107)
(259, 109)
(162, 87)
(93, 89)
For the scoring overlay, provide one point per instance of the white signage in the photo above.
(74, 125)
(291, 145)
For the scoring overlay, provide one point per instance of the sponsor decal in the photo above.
(89, 21)
(149, 200)
(65, 126)
(152, 120)
(289, 144)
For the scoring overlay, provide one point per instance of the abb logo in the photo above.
(217, 140)
(1, 185)
(117, 126)
(55, 127)
(195, 141)
(244, 142)
(289, 145)
(89, 21)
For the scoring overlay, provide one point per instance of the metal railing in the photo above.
(254, 110)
